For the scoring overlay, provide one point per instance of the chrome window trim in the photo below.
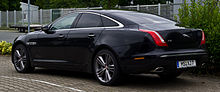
(120, 25)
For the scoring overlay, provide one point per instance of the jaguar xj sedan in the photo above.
(111, 43)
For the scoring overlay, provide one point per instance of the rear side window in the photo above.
(108, 23)
(143, 18)
(150, 21)
(89, 20)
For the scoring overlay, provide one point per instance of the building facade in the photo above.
(33, 14)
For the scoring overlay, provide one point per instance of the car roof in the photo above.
(108, 11)
(137, 18)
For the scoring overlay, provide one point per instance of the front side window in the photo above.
(65, 22)
(89, 20)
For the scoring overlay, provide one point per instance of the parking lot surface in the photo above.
(46, 80)
(9, 35)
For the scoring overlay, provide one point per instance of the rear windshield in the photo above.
(148, 20)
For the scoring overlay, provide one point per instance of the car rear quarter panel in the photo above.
(125, 42)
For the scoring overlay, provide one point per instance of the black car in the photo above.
(111, 43)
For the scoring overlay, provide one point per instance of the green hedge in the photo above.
(204, 15)
(5, 48)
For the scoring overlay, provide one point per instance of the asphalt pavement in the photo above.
(47, 80)
(9, 35)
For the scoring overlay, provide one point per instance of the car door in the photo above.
(51, 46)
(82, 38)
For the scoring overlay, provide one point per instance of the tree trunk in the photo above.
(109, 4)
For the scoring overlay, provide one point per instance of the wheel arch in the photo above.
(17, 43)
(22, 43)
(99, 48)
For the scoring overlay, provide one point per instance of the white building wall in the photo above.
(34, 16)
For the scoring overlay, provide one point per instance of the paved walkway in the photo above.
(46, 80)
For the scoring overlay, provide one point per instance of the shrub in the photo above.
(109, 4)
(204, 15)
(5, 48)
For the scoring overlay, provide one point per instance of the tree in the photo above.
(142, 2)
(91, 3)
(31, 1)
(108, 4)
(9, 5)
(43, 4)
(147, 2)
(204, 15)
(64, 3)
(4, 5)
(14, 5)
(124, 2)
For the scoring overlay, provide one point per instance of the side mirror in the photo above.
(47, 30)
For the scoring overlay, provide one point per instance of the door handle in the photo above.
(91, 35)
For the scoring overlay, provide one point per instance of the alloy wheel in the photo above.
(20, 58)
(104, 67)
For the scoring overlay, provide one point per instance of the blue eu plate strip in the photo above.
(177, 63)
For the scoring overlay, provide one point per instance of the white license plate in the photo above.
(186, 63)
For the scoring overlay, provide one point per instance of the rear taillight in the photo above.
(203, 38)
(158, 39)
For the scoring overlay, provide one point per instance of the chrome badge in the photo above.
(185, 35)
(31, 43)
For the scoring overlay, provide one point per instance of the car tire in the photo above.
(169, 75)
(106, 68)
(21, 59)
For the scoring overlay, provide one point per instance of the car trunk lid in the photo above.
(182, 38)
(177, 38)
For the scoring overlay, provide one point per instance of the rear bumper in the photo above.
(160, 58)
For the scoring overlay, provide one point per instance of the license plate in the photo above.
(186, 63)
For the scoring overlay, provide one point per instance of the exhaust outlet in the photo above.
(158, 70)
